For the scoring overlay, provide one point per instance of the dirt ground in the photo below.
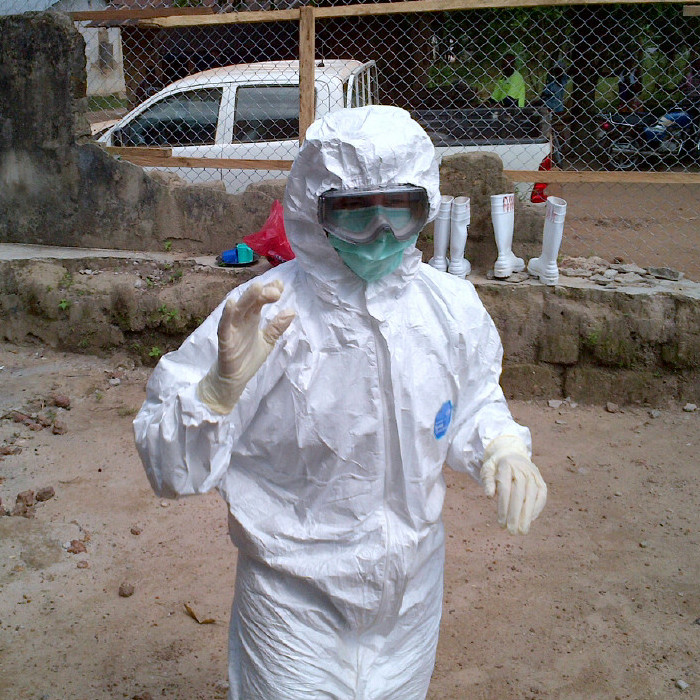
(601, 600)
(655, 225)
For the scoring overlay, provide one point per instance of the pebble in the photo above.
(82, 564)
(10, 449)
(126, 590)
(690, 407)
(576, 272)
(77, 547)
(45, 493)
(629, 278)
(644, 544)
(680, 683)
(618, 493)
(115, 381)
(135, 530)
(517, 277)
(61, 400)
(632, 268)
(654, 413)
(554, 403)
(164, 504)
(25, 497)
(139, 284)
(611, 407)
(610, 274)
(59, 428)
(665, 273)
(560, 422)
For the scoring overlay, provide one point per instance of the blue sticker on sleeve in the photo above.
(442, 419)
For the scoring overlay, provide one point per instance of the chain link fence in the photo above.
(609, 92)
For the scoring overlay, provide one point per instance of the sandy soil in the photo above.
(601, 600)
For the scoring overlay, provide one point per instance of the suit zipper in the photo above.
(381, 373)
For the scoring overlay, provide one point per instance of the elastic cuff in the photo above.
(217, 392)
(505, 444)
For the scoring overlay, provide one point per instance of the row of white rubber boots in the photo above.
(452, 226)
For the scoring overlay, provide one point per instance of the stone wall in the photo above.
(58, 188)
(595, 345)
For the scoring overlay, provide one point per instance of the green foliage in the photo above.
(168, 246)
(168, 313)
(659, 36)
(66, 281)
(64, 304)
(155, 352)
(124, 411)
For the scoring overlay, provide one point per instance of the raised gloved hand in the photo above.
(508, 472)
(243, 345)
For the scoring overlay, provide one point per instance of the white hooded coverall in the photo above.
(331, 461)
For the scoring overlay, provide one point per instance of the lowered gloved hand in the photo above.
(508, 472)
(243, 345)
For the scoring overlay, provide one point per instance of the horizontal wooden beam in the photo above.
(163, 158)
(224, 18)
(139, 151)
(408, 7)
(453, 5)
(602, 177)
(691, 11)
(106, 15)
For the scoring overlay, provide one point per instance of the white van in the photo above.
(248, 111)
(251, 112)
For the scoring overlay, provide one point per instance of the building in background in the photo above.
(103, 46)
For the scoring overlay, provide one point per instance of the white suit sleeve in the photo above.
(481, 414)
(184, 445)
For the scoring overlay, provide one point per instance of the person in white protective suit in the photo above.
(322, 401)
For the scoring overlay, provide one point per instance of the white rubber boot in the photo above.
(459, 230)
(545, 267)
(441, 235)
(503, 218)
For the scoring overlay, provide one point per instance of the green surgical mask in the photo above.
(375, 260)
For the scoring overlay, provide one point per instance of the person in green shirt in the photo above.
(510, 89)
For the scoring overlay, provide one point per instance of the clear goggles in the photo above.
(360, 216)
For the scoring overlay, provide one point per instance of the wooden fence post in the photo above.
(307, 66)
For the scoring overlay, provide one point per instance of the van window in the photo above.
(188, 118)
(266, 113)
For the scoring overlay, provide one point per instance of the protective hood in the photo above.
(359, 147)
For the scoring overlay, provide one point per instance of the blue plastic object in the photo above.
(240, 255)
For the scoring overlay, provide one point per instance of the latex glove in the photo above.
(243, 345)
(508, 472)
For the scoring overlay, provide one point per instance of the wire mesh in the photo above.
(578, 88)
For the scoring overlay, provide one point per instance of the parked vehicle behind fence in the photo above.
(251, 112)
(637, 139)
